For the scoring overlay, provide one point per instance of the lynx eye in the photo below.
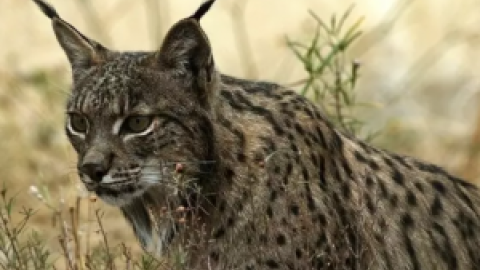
(78, 123)
(137, 123)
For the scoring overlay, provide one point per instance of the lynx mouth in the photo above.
(123, 189)
(118, 193)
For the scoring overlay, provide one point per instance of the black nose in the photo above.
(95, 171)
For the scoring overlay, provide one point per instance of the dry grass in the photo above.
(416, 72)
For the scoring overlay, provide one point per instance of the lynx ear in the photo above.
(81, 51)
(186, 46)
(187, 51)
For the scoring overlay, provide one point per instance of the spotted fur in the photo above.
(249, 175)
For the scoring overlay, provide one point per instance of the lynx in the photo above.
(240, 174)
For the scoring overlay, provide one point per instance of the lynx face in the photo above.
(129, 134)
(134, 117)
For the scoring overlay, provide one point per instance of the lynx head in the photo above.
(133, 116)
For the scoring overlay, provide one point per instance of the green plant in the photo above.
(331, 77)
(20, 248)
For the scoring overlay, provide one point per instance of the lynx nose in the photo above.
(95, 171)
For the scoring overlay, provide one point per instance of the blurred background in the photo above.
(418, 78)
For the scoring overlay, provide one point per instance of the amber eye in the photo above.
(137, 123)
(78, 123)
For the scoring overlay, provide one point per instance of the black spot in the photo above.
(272, 264)
(419, 187)
(281, 240)
(229, 173)
(318, 263)
(436, 208)
(310, 201)
(322, 172)
(241, 157)
(382, 223)
(263, 238)
(214, 256)
(394, 200)
(288, 112)
(370, 205)
(239, 206)
(346, 191)
(220, 232)
(412, 254)
(308, 142)
(349, 263)
(388, 162)
(298, 253)
(243, 103)
(314, 158)
(321, 241)
(305, 173)
(308, 112)
(270, 183)
(230, 221)
(407, 221)
(221, 207)
(252, 227)
(269, 144)
(461, 182)
(295, 152)
(319, 138)
(429, 168)
(383, 189)
(337, 142)
(411, 199)
(294, 209)
(299, 129)
(402, 161)
(369, 181)
(289, 169)
(336, 173)
(441, 243)
(288, 123)
(273, 195)
(372, 164)
(346, 168)
(379, 237)
(398, 177)
(269, 211)
(258, 157)
(360, 157)
(438, 186)
(277, 170)
(322, 219)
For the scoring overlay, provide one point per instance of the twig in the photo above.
(105, 240)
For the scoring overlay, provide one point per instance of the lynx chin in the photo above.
(181, 149)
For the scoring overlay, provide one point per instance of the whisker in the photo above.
(170, 174)
(167, 163)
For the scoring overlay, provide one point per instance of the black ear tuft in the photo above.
(80, 50)
(47, 9)
(202, 10)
